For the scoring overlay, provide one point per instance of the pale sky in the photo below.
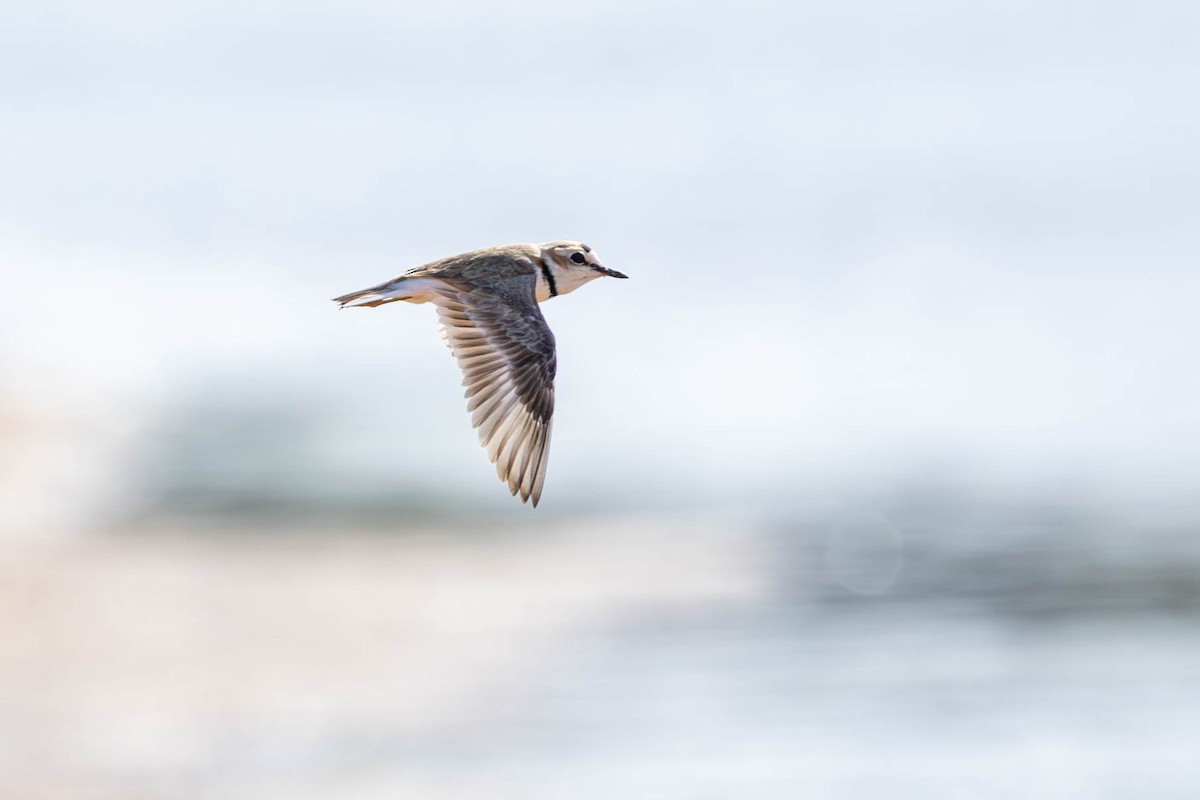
(864, 240)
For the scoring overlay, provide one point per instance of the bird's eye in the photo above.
(578, 258)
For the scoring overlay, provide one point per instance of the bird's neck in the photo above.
(547, 281)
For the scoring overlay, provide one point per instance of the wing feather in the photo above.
(506, 353)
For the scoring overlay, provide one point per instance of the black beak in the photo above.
(612, 273)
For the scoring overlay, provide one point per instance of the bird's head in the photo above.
(570, 265)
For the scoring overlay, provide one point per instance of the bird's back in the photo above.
(491, 263)
(495, 267)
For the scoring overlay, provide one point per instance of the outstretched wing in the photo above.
(506, 352)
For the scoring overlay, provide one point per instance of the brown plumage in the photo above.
(487, 303)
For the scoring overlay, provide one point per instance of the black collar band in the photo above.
(549, 276)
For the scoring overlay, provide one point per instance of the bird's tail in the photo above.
(409, 289)
(364, 297)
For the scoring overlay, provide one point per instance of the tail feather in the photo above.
(364, 298)
(412, 290)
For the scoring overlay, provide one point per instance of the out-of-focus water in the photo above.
(937, 646)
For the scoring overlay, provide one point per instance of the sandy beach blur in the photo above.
(176, 662)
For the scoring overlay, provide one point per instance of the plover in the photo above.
(487, 302)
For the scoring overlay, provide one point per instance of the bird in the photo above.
(487, 304)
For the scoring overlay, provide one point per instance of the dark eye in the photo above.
(578, 258)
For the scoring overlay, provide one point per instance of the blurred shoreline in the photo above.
(194, 658)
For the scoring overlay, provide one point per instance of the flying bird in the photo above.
(487, 304)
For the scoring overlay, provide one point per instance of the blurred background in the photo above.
(878, 478)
